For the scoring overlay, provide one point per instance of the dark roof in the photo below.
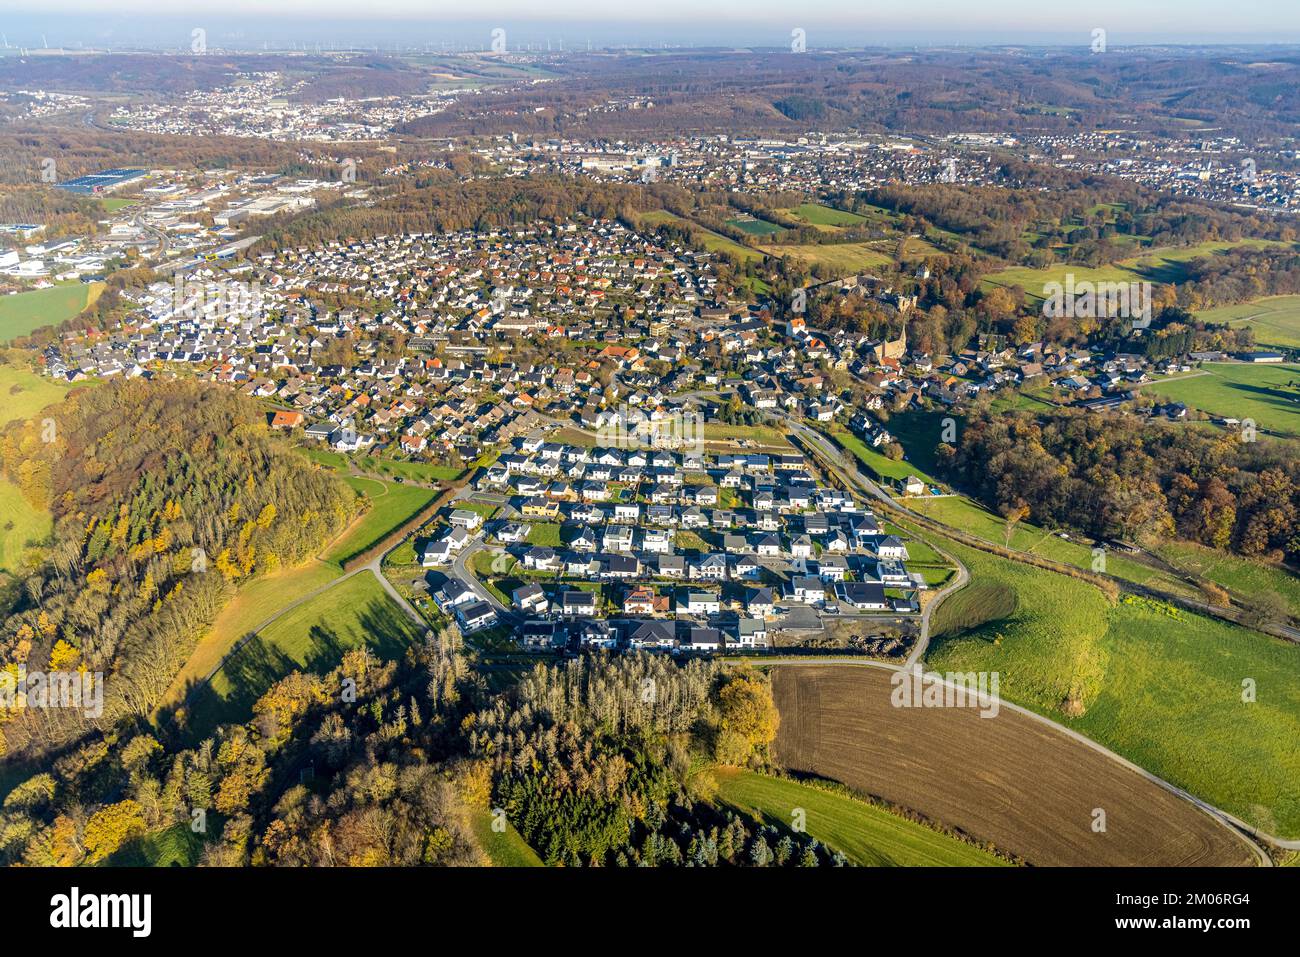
(863, 592)
(454, 588)
(651, 630)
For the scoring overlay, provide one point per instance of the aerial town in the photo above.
(517, 450)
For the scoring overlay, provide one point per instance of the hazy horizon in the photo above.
(404, 25)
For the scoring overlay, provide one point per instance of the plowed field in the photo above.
(1026, 787)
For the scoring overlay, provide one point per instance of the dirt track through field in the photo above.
(1008, 779)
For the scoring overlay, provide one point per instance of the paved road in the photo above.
(959, 580)
(372, 567)
(853, 476)
(850, 471)
(461, 568)
(818, 441)
(160, 236)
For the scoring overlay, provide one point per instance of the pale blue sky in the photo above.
(684, 22)
(1145, 15)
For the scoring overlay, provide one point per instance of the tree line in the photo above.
(1119, 477)
(164, 496)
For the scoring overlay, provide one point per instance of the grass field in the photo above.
(1237, 574)
(713, 242)
(815, 214)
(960, 512)
(920, 434)
(1164, 265)
(177, 846)
(868, 836)
(1268, 394)
(1056, 623)
(24, 311)
(1160, 686)
(254, 603)
(20, 523)
(878, 464)
(391, 505)
(842, 258)
(762, 435)
(412, 471)
(756, 227)
(1009, 780)
(917, 430)
(311, 637)
(1015, 401)
(546, 534)
(1275, 319)
(503, 848)
(23, 393)
(378, 465)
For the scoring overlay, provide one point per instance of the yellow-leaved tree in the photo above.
(748, 718)
(111, 827)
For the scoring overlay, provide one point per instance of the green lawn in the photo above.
(23, 393)
(378, 465)
(1160, 686)
(766, 435)
(311, 637)
(1014, 401)
(842, 258)
(815, 214)
(177, 846)
(410, 471)
(1240, 575)
(20, 523)
(1268, 394)
(867, 835)
(546, 534)
(919, 432)
(1275, 319)
(756, 227)
(503, 848)
(713, 242)
(1164, 265)
(960, 512)
(22, 312)
(255, 602)
(831, 219)
(391, 505)
(688, 540)
(878, 464)
(403, 554)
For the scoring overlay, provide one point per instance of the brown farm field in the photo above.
(1010, 780)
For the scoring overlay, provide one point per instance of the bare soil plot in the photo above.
(1022, 785)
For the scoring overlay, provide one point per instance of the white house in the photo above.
(698, 603)
(530, 598)
(466, 518)
(806, 588)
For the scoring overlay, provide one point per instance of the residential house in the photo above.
(530, 599)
